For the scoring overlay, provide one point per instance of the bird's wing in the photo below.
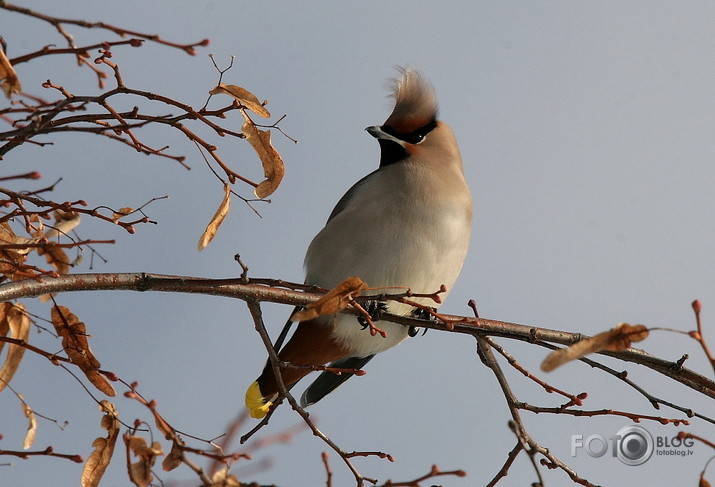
(284, 332)
(345, 200)
(281, 338)
(327, 382)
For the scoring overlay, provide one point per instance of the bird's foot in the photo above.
(374, 309)
(420, 314)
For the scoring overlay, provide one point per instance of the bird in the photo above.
(406, 225)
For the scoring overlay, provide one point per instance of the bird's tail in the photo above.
(312, 344)
(256, 402)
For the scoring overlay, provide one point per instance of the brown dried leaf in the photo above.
(11, 267)
(43, 298)
(56, 257)
(8, 237)
(13, 259)
(173, 459)
(217, 219)
(13, 319)
(9, 81)
(162, 425)
(335, 300)
(103, 447)
(617, 339)
(4, 325)
(65, 221)
(100, 382)
(273, 168)
(76, 345)
(38, 226)
(224, 479)
(140, 471)
(32, 424)
(121, 213)
(244, 97)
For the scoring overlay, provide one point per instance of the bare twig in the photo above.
(526, 442)
(256, 314)
(57, 23)
(697, 307)
(47, 452)
(434, 472)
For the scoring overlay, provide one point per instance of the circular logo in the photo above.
(635, 445)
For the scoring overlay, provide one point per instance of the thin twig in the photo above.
(257, 315)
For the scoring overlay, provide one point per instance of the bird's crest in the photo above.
(415, 102)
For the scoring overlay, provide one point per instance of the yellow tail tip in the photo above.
(255, 402)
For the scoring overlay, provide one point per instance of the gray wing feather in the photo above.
(345, 200)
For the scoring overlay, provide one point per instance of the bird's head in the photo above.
(412, 128)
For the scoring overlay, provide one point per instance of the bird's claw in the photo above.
(374, 309)
(420, 314)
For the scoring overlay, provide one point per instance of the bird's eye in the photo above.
(414, 138)
(418, 136)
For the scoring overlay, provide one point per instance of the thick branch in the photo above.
(277, 291)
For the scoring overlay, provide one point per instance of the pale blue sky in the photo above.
(587, 133)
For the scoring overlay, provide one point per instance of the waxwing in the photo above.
(405, 225)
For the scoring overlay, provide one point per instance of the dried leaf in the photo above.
(31, 427)
(43, 298)
(100, 382)
(614, 340)
(103, 447)
(11, 265)
(335, 300)
(13, 319)
(217, 219)
(173, 459)
(56, 257)
(4, 324)
(121, 213)
(244, 97)
(273, 168)
(65, 221)
(8, 237)
(13, 258)
(140, 471)
(38, 227)
(9, 81)
(162, 425)
(76, 345)
(224, 479)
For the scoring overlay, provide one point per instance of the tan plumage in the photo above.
(405, 225)
(415, 102)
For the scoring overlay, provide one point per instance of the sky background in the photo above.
(587, 131)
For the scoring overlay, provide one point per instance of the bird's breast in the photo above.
(395, 236)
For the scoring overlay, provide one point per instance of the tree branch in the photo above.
(277, 291)
(256, 291)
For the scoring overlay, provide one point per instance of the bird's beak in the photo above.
(377, 132)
